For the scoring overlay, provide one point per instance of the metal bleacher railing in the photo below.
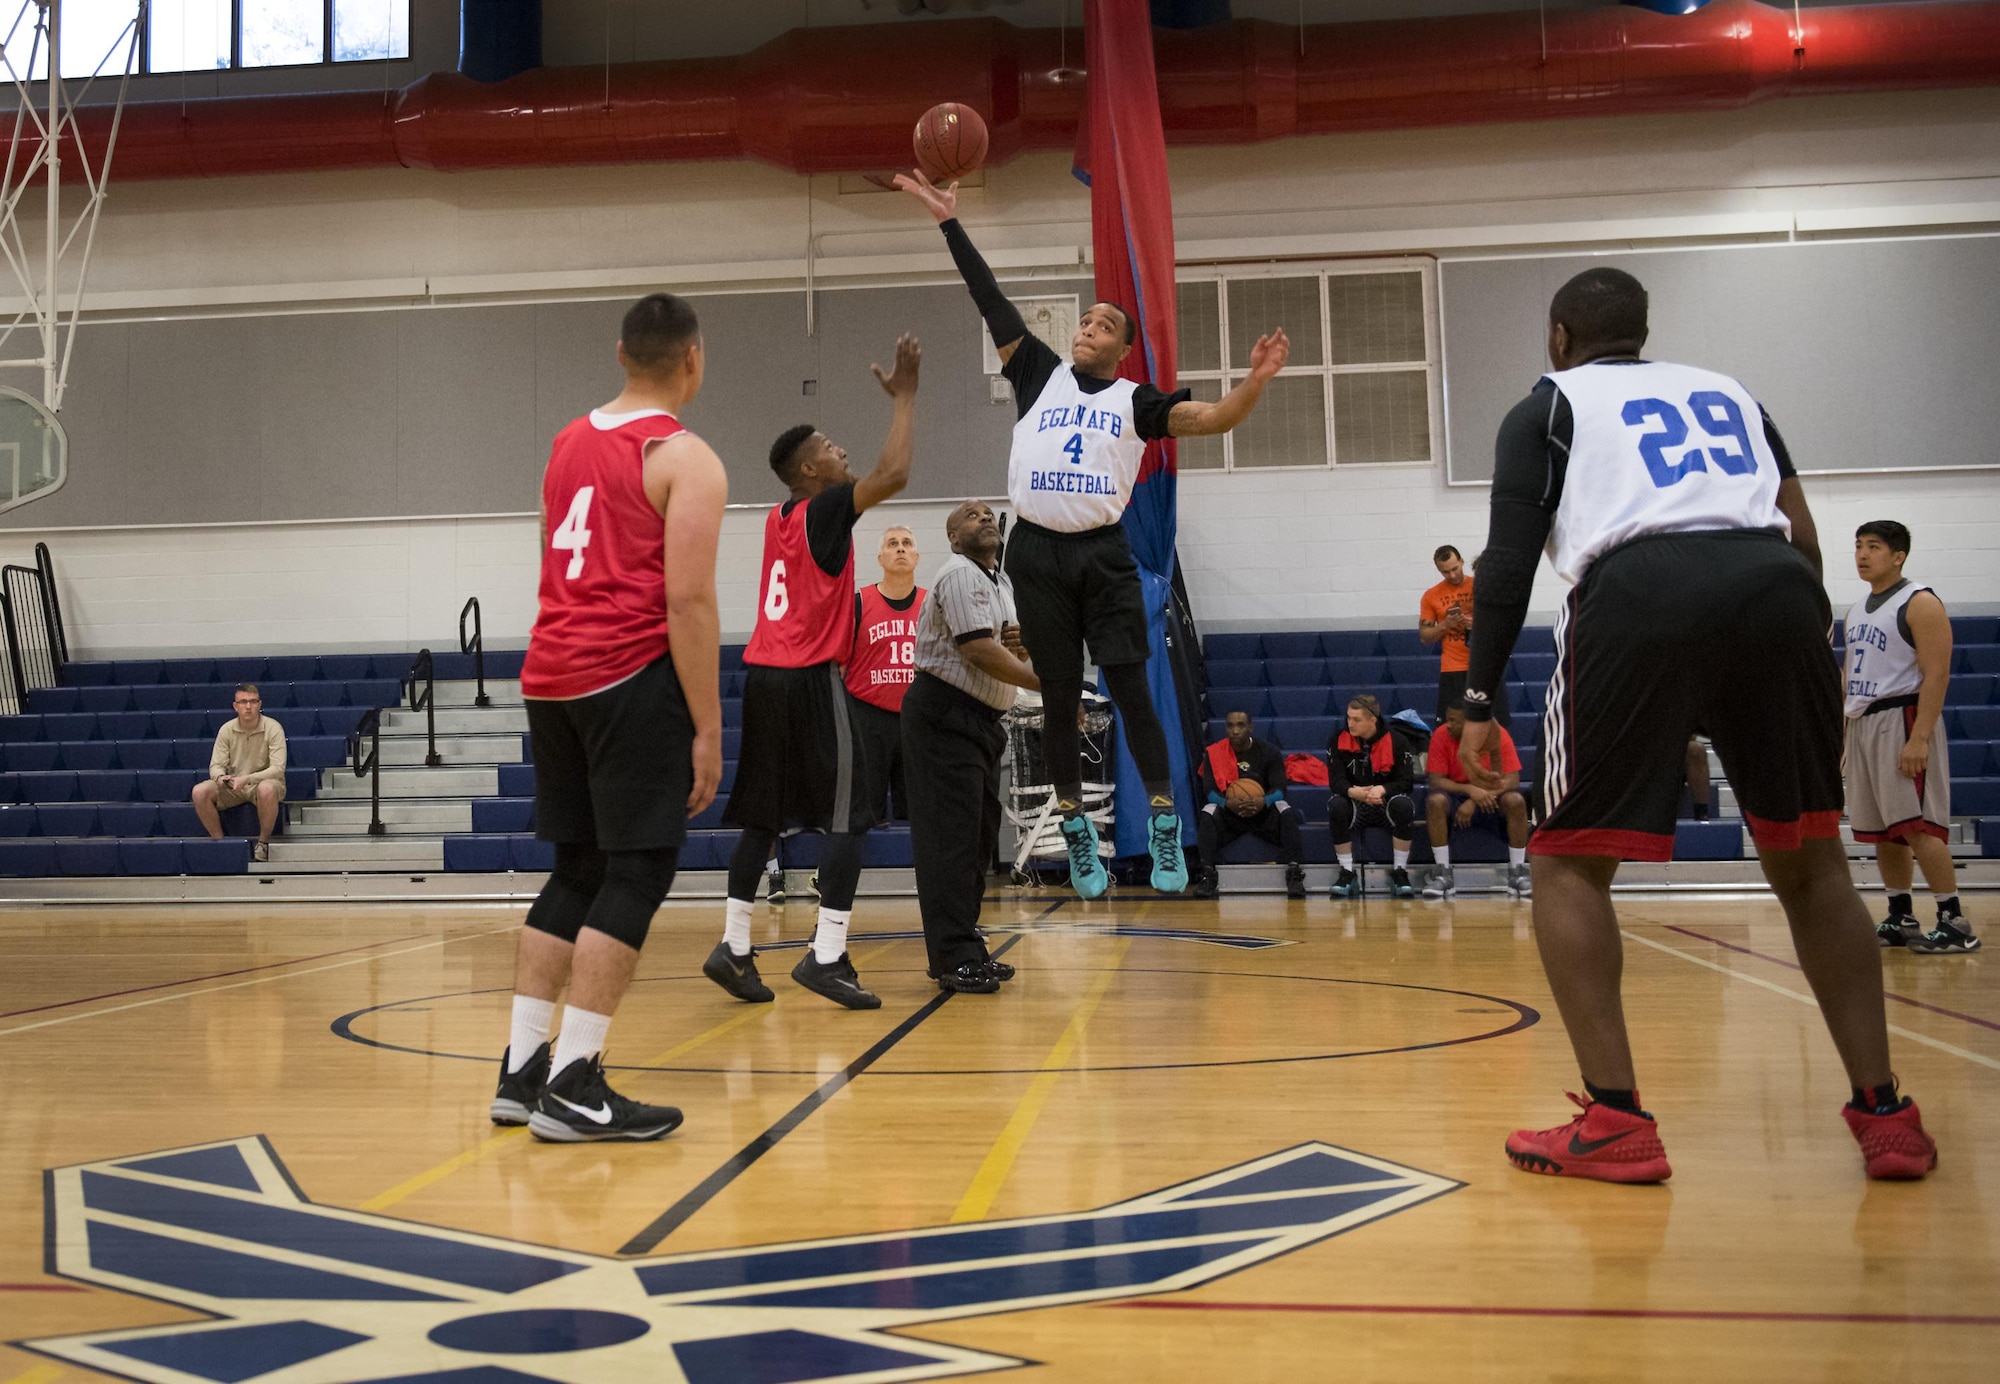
(424, 670)
(475, 645)
(32, 615)
(370, 728)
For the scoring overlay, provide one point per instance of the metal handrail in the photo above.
(17, 691)
(476, 646)
(424, 670)
(45, 564)
(369, 725)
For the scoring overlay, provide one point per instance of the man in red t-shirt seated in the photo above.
(1453, 800)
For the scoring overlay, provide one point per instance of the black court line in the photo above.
(675, 1216)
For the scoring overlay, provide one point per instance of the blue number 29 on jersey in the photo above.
(1717, 414)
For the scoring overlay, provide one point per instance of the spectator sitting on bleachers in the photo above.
(1371, 786)
(1453, 798)
(1238, 760)
(247, 765)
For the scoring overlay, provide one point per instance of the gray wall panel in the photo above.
(1867, 354)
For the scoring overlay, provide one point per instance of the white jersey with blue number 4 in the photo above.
(1659, 448)
(1076, 455)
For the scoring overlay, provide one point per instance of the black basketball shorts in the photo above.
(803, 765)
(1723, 633)
(614, 769)
(881, 734)
(1072, 589)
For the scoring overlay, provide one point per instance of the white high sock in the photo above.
(1402, 856)
(1443, 854)
(1346, 857)
(830, 938)
(1517, 855)
(530, 1029)
(582, 1036)
(736, 925)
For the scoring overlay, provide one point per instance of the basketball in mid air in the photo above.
(1244, 792)
(950, 142)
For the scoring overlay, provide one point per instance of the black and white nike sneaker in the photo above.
(737, 974)
(519, 1091)
(837, 982)
(579, 1107)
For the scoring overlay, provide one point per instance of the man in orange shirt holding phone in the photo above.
(1445, 619)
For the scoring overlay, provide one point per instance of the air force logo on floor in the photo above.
(312, 1294)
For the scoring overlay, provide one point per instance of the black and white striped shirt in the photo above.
(967, 602)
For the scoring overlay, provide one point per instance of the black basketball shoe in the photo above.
(837, 982)
(519, 1091)
(1295, 881)
(579, 1107)
(970, 979)
(737, 974)
(999, 970)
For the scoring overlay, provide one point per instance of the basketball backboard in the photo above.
(34, 451)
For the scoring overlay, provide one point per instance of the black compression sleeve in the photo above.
(1529, 464)
(1003, 319)
(1786, 470)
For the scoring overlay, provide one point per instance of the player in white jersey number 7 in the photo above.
(1078, 442)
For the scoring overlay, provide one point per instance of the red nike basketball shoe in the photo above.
(1609, 1145)
(1894, 1145)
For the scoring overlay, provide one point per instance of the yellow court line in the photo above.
(461, 1161)
(40, 1374)
(1923, 1038)
(992, 1174)
(260, 980)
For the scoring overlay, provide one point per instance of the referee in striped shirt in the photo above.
(969, 660)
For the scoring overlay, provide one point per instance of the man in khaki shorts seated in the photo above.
(246, 766)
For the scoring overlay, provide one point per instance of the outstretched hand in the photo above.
(901, 383)
(1269, 355)
(941, 201)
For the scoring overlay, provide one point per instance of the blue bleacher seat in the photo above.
(530, 853)
(128, 819)
(1978, 658)
(454, 667)
(150, 858)
(503, 814)
(1289, 702)
(10, 788)
(292, 668)
(136, 672)
(1987, 832)
(229, 856)
(90, 754)
(59, 787)
(91, 858)
(18, 730)
(318, 694)
(1414, 670)
(70, 725)
(66, 819)
(375, 692)
(1973, 722)
(191, 753)
(103, 699)
(732, 714)
(1717, 840)
(106, 785)
(732, 656)
(144, 754)
(1536, 639)
(1236, 672)
(517, 780)
(169, 785)
(527, 748)
(1290, 644)
(1350, 643)
(346, 667)
(338, 720)
(1975, 629)
(1970, 689)
(176, 725)
(27, 859)
(506, 663)
(1233, 647)
(214, 720)
(125, 725)
(1532, 667)
(1253, 701)
(89, 674)
(1971, 759)
(230, 671)
(171, 696)
(477, 854)
(301, 784)
(18, 819)
(179, 819)
(886, 849)
(1306, 734)
(34, 758)
(708, 819)
(187, 670)
(1978, 797)
(317, 751)
(53, 701)
(1295, 672)
(1355, 671)
(1405, 643)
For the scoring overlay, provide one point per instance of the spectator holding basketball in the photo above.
(1898, 766)
(247, 765)
(1372, 786)
(1454, 801)
(1444, 618)
(1243, 781)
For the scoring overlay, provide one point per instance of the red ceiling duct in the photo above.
(844, 99)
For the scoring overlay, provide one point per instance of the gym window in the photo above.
(1361, 386)
(209, 35)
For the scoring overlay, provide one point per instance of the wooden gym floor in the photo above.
(1333, 1080)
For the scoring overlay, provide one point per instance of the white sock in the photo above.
(830, 938)
(1346, 857)
(532, 1020)
(1443, 855)
(1402, 856)
(1517, 855)
(582, 1036)
(736, 925)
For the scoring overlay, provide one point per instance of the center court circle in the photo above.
(540, 1331)
(1367, 1018)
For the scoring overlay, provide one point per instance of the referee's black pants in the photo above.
(952, 743)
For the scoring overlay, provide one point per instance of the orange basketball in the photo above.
(950, 142)
(1243, 790)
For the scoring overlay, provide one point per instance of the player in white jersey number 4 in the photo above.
(1664, 493)
(1078, 443)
